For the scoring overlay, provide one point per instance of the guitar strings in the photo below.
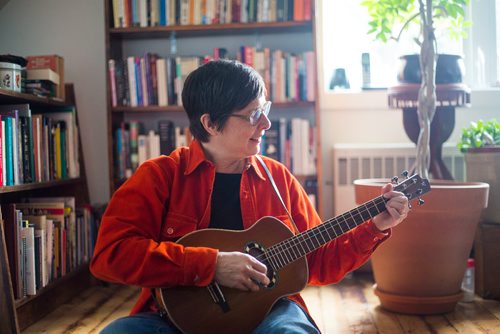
(277, 254)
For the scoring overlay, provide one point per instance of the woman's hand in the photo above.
(240, 271)
(397, 209)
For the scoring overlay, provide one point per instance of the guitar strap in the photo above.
(277, 192)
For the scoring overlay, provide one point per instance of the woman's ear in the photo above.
(208, 125)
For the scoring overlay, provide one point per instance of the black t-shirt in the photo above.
(226, 210)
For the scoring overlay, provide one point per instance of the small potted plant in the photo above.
(480, 142)
(419, 269)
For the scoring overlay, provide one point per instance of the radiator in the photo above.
(355, 161)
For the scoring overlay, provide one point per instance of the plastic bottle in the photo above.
(468, 282)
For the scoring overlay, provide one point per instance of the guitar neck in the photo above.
(299, 245)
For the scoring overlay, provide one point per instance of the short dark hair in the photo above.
(219, 88)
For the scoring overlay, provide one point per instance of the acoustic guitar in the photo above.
(218, 309)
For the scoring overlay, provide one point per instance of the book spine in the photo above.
(2, 152)
(30, 270)
(27, 150)
(132, 81)
(58, 153)
(112, 82)
(9, 150)
(134, 133)
(64, 149)
(42, 62)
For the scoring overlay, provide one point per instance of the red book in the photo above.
(41, 62)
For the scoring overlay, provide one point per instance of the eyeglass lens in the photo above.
(257, 114)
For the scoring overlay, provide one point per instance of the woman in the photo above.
(217, 182)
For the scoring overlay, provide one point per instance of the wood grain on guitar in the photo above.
(218, 309)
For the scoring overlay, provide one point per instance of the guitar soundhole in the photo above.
(258, 252)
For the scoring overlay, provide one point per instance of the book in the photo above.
(42, 267)
(36, 122)
(70, 223)
(9, 151)
(12, 235)
(2, 152)
(43, 74)
(112, 82)
(271, 147)
(166, 132)
(22, 144)
(54, 63)
(55, 212)
(28, 242)
(70, 129)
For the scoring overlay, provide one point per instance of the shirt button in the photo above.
(170, 230)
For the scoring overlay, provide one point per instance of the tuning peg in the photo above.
(405, 173)
(409, 205)
(420, 201)
(418, 192)
(394, 180)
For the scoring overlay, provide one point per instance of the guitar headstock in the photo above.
(413, 187)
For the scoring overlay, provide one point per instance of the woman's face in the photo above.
(239, 138)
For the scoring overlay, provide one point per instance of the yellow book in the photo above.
(58, 157)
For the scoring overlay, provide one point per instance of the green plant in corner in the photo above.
(480, 134)
(388, 16)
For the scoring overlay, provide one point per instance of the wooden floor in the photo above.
(348, 307)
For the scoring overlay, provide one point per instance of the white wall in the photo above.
(365, 118)
(73, 29)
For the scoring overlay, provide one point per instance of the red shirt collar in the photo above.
(196, 156)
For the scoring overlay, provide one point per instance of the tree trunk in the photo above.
(427, 92)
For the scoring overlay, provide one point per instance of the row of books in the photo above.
(151, 80)
(293, 142)
(134, 145)
(149, 13)
(37, 147)
(46, 238)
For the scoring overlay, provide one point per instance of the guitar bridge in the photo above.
(218, 296)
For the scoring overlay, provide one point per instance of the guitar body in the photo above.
(194, 310)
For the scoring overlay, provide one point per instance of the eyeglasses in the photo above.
(256, 115)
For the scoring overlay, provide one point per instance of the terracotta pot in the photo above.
(419, 269)
(483, 164)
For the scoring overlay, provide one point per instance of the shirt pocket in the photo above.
(177, 225)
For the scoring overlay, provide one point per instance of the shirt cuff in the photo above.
(199, 265)
(377, 234)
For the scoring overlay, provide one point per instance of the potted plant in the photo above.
(420, 268)
(480, 142)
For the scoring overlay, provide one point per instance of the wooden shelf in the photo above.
(127, 109)
(31, 309)
(39, 185)
(10, 97)
(122, 43)
(210, 29)
(154, 109)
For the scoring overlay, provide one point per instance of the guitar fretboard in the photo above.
(291, 249)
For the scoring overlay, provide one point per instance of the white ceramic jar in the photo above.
(10, 76)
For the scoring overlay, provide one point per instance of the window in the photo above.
(345, 39)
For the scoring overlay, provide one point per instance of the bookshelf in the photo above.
(293, 37)
(27, 310)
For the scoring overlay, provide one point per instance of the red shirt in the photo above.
(170, 196)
